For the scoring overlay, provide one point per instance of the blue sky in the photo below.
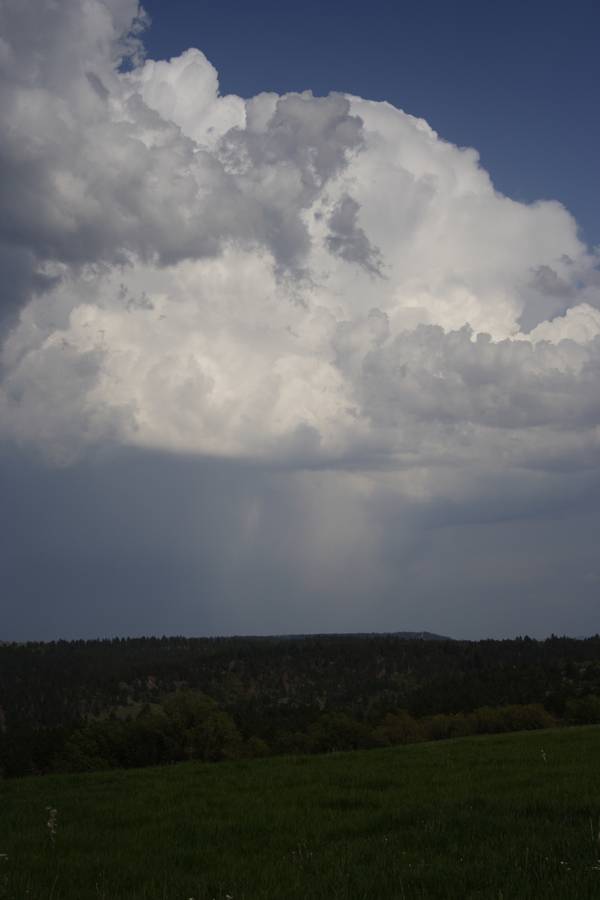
(279, 363)
(517, 81)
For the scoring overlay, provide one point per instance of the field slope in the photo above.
(514, 816)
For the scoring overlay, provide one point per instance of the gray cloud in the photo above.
(347, 239)
(283, 165)
(92, 173)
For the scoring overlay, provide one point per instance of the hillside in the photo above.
(81, 705)
(57, 683)
(513, 816)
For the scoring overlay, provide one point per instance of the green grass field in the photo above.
(513, 816)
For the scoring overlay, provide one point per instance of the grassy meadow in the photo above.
(510, 816)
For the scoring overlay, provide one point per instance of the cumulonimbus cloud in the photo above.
(294, 279)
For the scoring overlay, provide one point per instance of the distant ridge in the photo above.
(403, 635)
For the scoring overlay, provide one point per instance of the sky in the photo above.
(299, 320)
(517, 81)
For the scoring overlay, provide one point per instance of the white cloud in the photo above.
(298, 280)
(580, 323)
(185, 91)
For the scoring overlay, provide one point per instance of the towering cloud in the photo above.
(299, 281)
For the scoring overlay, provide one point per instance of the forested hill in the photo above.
(287, 679)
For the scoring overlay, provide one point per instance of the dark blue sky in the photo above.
(519, 82)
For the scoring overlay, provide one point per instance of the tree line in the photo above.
(73, 706)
